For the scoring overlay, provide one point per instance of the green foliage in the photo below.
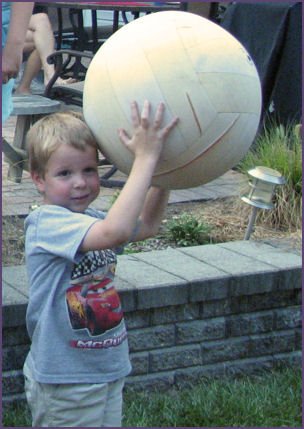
(187, 230)
(134, 247)
(280, 148)
(271, 399)
(18, 415)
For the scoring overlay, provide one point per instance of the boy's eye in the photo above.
(64, 173)
(90, 170)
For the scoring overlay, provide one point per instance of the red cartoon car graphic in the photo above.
(95, 307)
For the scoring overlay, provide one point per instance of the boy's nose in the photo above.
(79, 181)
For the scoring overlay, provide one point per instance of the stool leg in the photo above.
(22, 126)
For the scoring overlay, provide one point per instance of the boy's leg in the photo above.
(35, 399)
(113, 411)
(74, 405)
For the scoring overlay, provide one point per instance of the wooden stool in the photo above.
(28, 109)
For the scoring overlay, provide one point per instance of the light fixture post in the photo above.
(254, 212)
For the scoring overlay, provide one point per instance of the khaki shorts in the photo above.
(74, 405)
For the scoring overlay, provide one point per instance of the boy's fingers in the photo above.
(169, 127)
(134, 114)
(145, 114)
(159, 115)
(123, 136)
(143, 120)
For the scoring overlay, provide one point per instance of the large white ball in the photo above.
(202, 74)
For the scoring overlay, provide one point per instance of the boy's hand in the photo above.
(148, 139)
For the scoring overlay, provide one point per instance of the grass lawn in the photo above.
(272, 399)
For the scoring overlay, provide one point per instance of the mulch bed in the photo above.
(228, 218)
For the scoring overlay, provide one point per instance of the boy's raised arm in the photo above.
(152, 213)
(146, 144)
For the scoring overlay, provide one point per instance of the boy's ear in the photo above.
(38, 180)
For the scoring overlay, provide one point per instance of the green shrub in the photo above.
(187, 230)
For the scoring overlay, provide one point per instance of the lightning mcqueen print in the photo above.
(94, 307)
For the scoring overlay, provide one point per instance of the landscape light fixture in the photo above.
(262, 185)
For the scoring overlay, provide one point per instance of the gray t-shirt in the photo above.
(74, 317)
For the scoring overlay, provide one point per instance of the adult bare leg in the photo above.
(40, 42)
(33, 65)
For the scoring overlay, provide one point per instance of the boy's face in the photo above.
(71, 178)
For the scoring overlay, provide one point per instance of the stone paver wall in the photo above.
(196, 320)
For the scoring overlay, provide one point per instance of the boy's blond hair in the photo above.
(47, 134)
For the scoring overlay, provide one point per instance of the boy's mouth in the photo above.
(80, 198)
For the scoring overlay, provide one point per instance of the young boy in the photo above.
(74, 372)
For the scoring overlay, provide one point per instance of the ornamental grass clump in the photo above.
(280, 148)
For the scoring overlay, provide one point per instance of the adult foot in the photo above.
(22, 91)
(61, 82)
